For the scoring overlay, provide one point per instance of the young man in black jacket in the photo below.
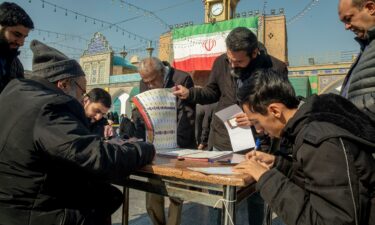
(53, 170)
(325, 174)
(15, 26)
(97, 103)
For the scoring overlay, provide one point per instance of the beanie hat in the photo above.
(53, 65)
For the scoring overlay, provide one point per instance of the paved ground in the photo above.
(192, 214)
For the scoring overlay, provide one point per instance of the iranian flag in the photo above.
(196, 47)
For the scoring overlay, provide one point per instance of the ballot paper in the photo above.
(159, 111)
(241, 138)
(214, 170)
(194, 154)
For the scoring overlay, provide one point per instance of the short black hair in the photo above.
(12, 14)
(99, 95)
(241, 39)
(267, 86)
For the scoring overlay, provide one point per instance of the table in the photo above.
(179, 182)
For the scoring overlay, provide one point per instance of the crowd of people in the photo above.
(57, 165)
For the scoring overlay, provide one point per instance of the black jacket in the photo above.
(328, 142)
(185, 110)
(10, 66)
(203, 119)
(359, 83)
(48, 157)
(222, 87)
(127, 128)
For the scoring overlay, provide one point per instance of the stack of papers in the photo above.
(193, 154)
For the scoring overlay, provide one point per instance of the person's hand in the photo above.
(201, 146)
(265, 158)
(254, 168)
(242, 120)
(180, 91)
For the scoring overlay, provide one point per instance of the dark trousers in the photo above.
(101, 201)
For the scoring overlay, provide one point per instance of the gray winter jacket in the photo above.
(359, 83)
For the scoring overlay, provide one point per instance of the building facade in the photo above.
(111, 72)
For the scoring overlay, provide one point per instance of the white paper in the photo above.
(237, 158)
(214, 170)
(176, 152)
(241, 138)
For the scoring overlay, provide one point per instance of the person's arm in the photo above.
(211, 92)
(325, 198)
(62, 138)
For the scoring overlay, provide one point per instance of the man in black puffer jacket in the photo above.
(326, 174)
(53, 170)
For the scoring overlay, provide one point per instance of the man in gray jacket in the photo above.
(359, 84)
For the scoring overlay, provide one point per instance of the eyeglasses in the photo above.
(84, 94)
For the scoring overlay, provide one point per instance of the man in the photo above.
(96, 104)
(156, 74)
(229, 71)
(359, 84)
(327, 174)
(53, 170)
(244, 56)
(15, 26)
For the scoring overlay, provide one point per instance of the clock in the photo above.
(217, 9)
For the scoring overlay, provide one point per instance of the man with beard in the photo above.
(15, 26)
(244, 56)
(97, 103)
(229, 71)
(53, 170)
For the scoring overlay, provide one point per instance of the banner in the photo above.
(196, 47)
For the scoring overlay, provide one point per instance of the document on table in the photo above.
(159, 111)
(241, 138)
(214, 170)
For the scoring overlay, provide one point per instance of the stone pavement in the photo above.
(192, 213)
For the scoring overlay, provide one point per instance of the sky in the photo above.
(317, 31)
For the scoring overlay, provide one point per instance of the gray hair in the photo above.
(151, 65)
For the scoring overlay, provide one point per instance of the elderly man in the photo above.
(326, 175)
(15, 26)
(359, 84)
(53, 170)
(156, 74)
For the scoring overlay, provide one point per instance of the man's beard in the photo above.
(239, 72)
(5, 49)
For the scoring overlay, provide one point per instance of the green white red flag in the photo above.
(196, 47)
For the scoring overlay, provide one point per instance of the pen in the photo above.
(257, 144)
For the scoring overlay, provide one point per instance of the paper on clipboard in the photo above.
(241, 138)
